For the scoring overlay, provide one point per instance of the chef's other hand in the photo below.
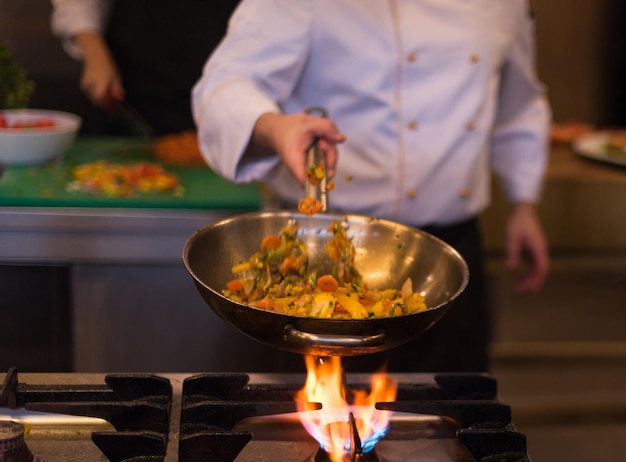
(525, 238)
(290, 135)
(100, 78)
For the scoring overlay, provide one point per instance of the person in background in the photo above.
(149, 52)
(425, 99)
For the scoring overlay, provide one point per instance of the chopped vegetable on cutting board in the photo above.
(179, 149)
(123, 180)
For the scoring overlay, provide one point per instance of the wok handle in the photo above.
(296, 336)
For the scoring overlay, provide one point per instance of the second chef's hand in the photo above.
(100, 77)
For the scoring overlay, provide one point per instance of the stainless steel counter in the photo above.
(99, 235)
(133, 304)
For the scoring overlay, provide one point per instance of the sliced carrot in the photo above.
(265, 303)
(327, 283)
(288, 263)
(270, 242)
(235, 285)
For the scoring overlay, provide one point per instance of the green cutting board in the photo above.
(45, 186)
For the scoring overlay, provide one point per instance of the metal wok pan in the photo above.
(387, 253)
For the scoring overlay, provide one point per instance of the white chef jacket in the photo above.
(431, 94)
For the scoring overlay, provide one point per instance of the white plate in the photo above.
(594, 146)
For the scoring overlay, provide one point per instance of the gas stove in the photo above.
(224, 417)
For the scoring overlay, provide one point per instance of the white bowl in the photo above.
(31, 146)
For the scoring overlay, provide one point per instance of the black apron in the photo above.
(459, 342)
(160, 48)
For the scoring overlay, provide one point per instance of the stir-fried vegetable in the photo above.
(310, 206)
(277, 278)
(315, 176)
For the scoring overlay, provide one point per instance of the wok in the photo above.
(387, 253)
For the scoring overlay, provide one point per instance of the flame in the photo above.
(330, 424)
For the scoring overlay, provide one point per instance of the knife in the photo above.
(128, 115)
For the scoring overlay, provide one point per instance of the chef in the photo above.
(426, 99)
(149, 52)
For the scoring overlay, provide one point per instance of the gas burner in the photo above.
(323, 456)
(356, 454)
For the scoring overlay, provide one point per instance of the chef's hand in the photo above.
(524, 237)
(100, 78)
(290, 135)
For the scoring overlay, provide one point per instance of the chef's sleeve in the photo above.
(71, 17)
(519, 147)
(252, 72)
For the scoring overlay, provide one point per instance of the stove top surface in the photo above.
(245, 417)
